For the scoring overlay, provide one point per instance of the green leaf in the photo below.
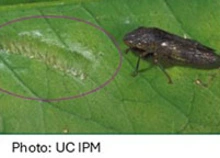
(54, 58)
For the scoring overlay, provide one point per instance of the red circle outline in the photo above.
(84, 93)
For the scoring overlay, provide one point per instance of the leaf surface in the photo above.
(54, 58)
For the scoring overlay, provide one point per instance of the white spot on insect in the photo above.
(164, 44)
(174, 48)
(130, 41)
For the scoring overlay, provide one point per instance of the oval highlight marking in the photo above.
(84, 93)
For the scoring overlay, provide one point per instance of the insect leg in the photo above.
(164, 71)
(138, 63)
(144, 55)
(137, 67)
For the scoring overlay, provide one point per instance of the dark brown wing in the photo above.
(166, 36)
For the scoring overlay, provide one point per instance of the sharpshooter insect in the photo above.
(167, 49)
